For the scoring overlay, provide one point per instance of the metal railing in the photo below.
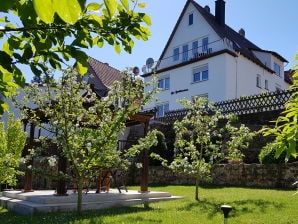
(264, 102)
(193, 53)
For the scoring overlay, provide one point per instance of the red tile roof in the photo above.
(105, 73)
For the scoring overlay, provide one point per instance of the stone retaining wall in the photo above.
(249, 175)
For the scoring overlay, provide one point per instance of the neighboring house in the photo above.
(205, 57)
(100, 76)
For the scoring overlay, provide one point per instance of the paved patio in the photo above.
(45, 201)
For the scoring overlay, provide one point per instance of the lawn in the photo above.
(254, 206)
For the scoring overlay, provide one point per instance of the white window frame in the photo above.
(276, 68)
(259, 81)
(195, 49)
(176, 54)
(162, 109)
(266, 84)
(185, 52)
(164, 83)
(199, 72)
(205, 43)
(190, 19)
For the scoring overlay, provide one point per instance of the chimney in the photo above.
(242, 32)
(220, 12)
(207, 8)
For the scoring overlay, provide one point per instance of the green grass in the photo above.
(254, 206)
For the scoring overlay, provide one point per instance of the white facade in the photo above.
(18, 114)
(199, 60)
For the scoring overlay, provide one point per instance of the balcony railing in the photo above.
(194, 53)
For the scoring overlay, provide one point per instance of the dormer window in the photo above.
(276, 69)
(190, 19)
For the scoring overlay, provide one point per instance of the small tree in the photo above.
(285, 130)
(86, 127)
(204, 137)
(45, 34)
(12, 142)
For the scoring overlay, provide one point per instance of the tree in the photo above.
(285, 130)
(12, 142)
(205, 137)
(46, 34)
(86, 127)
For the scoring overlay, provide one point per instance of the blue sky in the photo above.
(270, 24)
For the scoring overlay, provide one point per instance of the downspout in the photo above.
(236, 78)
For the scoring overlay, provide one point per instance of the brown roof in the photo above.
(105, 73)
(240, 43)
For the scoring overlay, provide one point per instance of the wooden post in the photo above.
(28, 173)
(145, 164)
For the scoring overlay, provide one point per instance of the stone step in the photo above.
(47, 197)
(44, 201)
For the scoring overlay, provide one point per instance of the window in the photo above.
(204, 75)
(164, 83)
(258, 81)
(162, 109)
(195, 46)
(196, 76)
(200, 74)
(190, 19)
(205, 44)
(266, 84)
(185, 53)
(176, 54)
(205, 95)
(276, 69)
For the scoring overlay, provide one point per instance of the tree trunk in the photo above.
(61, 184)
(80, 194)
(197, 188)
(144, 171)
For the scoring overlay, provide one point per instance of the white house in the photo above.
(205, 57)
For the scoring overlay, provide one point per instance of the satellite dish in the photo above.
(149, 62)
(136, 70)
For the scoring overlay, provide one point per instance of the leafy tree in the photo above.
(204, 137)
(12, 142)
(285, 130)
(46, 34)
(86, 127)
